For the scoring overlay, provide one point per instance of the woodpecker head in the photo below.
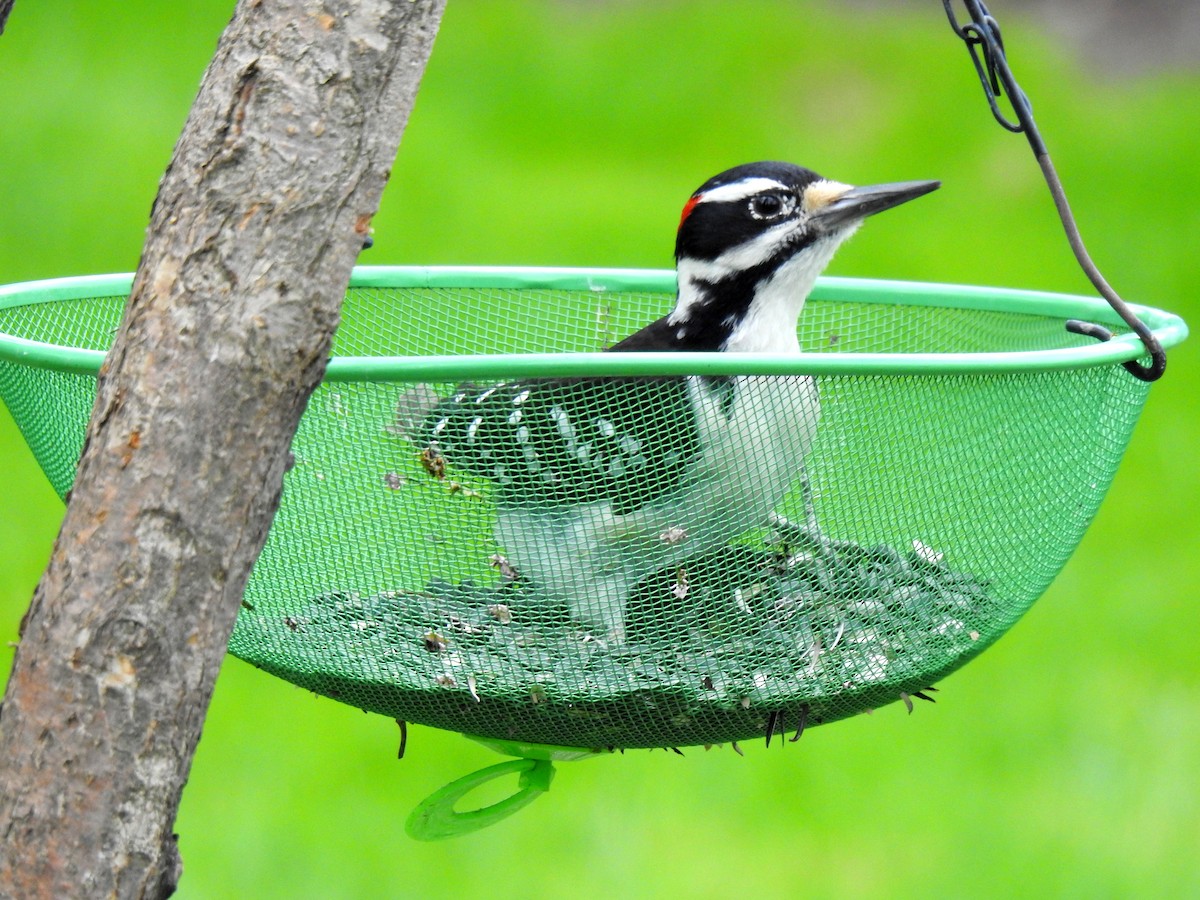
(752, 242)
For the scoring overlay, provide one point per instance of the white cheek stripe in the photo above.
(746, 255)
(741, 190)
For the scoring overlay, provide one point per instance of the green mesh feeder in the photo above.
(966, 439)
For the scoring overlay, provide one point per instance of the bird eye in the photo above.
(770, 206)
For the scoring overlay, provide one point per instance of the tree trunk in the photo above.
(258, 221)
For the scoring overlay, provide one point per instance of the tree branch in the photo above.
(258, 221)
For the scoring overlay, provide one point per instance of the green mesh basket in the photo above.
(964, 442)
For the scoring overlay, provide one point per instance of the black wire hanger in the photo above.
(986, 46)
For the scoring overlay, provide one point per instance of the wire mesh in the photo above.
(864, 535)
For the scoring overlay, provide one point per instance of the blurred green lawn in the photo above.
(1065, 761)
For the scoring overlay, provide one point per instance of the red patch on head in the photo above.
(687, 209)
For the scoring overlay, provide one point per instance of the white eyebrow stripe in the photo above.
(740, 190)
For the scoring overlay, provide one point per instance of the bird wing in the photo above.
(571, 440)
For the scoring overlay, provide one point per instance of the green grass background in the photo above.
(1063, 762)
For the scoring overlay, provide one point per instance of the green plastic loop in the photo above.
(436, 819)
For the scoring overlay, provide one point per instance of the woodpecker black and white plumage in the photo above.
(604, 481)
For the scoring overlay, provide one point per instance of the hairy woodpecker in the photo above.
(604, 481)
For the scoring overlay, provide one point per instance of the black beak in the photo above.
(860, 202)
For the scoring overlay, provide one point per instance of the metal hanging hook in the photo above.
(983, 40)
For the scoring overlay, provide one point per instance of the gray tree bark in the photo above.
(258, 221)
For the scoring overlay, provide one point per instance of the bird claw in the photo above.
(804, 709)
(772, 724)
(775, 723)
(907, 697)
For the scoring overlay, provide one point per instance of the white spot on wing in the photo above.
(927, 554)
(562, 419)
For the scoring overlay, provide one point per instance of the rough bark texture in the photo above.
(257, 224)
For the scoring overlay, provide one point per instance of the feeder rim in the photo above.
(1167, 327)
